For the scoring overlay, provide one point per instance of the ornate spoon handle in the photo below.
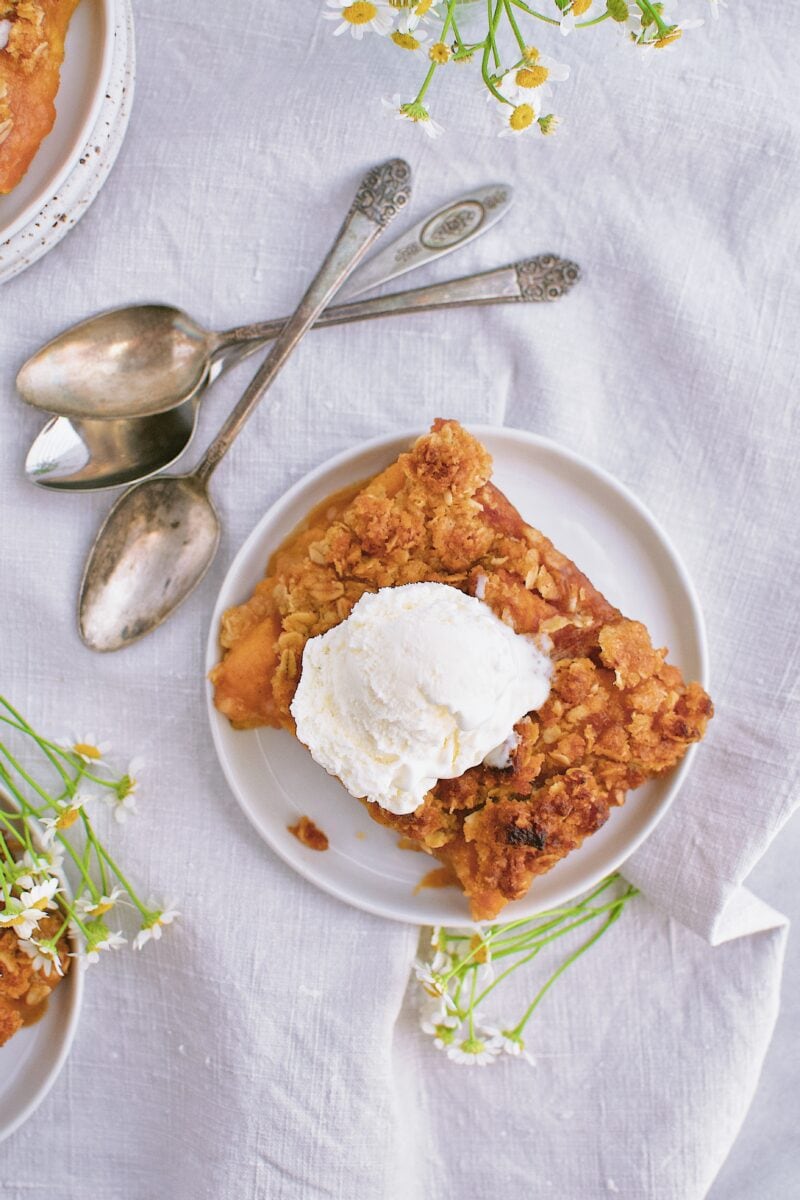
(383, 192)
(545, 277)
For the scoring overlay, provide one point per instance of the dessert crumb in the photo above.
(309, 834)
(437, 878)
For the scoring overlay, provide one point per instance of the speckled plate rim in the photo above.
(54, 1033)
(73, 148)
(90, 167)
(237, 586)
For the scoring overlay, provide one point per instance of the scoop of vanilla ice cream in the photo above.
(420, 683)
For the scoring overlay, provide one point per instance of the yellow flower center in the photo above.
(670, 36)
(86, 751)
(521, 117)
(579, 7)
(360, 13)
(18, 919)
(99, 910)
(423, 7)
(406, 40)
(478, 948)
(439, 52)
(41, 903)
(68, 818)
(531, 77)
(531, 54)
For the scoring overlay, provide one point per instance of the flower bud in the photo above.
(618, 10)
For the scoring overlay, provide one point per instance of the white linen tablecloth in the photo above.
(267, 1047)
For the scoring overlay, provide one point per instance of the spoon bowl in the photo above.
(155, 546)
(141, 359)
(90, 456)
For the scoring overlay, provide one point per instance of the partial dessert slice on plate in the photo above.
(32, 34)
(617, 713)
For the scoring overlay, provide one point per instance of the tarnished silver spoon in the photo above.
(161, 536)
(88, 455)
(148, 358)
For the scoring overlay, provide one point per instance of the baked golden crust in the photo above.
(23, 990)
(30, 71)
(617, 713)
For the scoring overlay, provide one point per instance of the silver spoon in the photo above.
(161, 536)
(147, 358)
(88, 455)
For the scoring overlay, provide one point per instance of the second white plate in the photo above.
(593, 519)
(93, 106)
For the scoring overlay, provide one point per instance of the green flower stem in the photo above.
(649, 11)
(426, 83)
(457, 32)
(146, 913)
(533, 13)
(44, 745)
(487, 49)
(21, 771)
(92, 842)
(512, 20)
(594, 21)
(494, 20)
(7, 855)
(612, 917)
(522, 946)
(52, 750)
(19, 835)
(534, 931)
(72, 852)
(473, 988)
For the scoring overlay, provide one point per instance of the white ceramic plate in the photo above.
(31, 1060)
(84, 76)
(80, 151)
(592, 518)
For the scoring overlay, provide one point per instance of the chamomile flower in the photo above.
(508, 1041)
(123, 797)
(44, 954)
(360, 17)
(41, 895)
(431, 980)
(43, 862)
(474, 1051)
(409, 41)
(442, 1027)
(87, 747)
(548, 124)
(21, 919)
(666, 41)
(153, 926)
(531, 82)
(516, 119)
(67, 813)
(417, 113)
(418, 14)
(87, 906)
(107, 939)
(571, 13)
